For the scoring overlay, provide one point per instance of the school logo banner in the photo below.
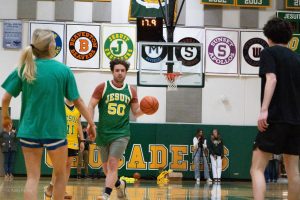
(118, 41)
(58, 30)
(221, 51)
(252, 43)
(189, 56)
(294, 43)
(83, 46)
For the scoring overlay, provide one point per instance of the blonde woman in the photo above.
(216, 150)
(44, 84)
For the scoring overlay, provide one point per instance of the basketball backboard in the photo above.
(158, 62)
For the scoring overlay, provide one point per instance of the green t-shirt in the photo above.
(43, 110)
(114, 110)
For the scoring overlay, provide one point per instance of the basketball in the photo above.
(137, 175)
(149, 105)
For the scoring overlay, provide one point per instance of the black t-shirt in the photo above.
(285, 64)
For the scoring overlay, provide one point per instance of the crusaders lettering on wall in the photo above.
(83, 45)
(176, 157)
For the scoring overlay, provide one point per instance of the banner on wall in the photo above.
(294, 43)
(118, 41)
(58, 30)
(219, 3)
(221, 49)
(254, 3)
(293, 17)
(12, 34)
(146, 8)
(188, 56)
(292, 4)
(252, 43)
(83, 46)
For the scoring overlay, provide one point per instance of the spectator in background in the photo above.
(8, 143)
(200, 145)
(268, 172)
(84, 156)
(275, 168)
(216, 150)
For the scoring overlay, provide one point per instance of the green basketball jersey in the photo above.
(114, 109)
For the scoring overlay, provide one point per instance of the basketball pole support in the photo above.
(168, 16)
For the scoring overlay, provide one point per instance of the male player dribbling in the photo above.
(114, 99)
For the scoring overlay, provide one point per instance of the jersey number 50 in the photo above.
(114, 108)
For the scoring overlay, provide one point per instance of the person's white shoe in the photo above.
(121, 190)
(103, 197)
(208, 180)
(198, 180)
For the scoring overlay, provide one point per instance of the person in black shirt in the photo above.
(216, 150)
(279, 118)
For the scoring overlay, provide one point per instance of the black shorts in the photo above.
(279, 138)
(72, 152)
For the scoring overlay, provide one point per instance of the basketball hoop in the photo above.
(172, 79)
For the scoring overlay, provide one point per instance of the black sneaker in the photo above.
(78, 176)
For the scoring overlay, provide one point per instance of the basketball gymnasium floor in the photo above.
(88, 189)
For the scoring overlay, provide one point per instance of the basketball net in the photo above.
(172, 79)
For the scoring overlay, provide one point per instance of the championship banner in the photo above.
(146, 8)
(293, 17)
(292, 4)
(83, 51)
(58, 30)
(219, 2)
(221, 49)
(252, 43)
(188, 56)
(254, 3)
(118, 41)
(12, 34)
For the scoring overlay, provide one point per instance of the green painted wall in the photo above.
(237, 139)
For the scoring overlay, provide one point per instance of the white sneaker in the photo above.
(208, 180)
(121, 190)
(198, 180)
(103, 197)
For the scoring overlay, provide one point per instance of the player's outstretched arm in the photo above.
(271, 82)
(6, 120)
(92, 104)
(135, 106)
(84, 111)
(80, 136)
(136, 111)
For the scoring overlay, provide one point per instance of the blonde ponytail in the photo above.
(42, 47)
(27, 68)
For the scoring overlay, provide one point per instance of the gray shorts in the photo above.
(114, 149)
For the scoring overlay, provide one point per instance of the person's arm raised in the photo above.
(85, 113)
